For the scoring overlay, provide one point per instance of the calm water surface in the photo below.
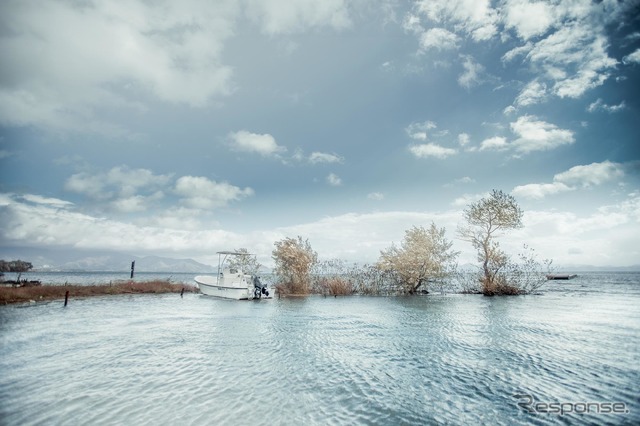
(448, 359)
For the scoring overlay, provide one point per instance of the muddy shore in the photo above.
(51, 292)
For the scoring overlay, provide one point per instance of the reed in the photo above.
(335, 286)
(52, 292)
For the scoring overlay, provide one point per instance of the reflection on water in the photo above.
(147, 359)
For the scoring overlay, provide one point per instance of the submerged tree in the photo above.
(487, 219)
(246, 262)
(424, 255)
(294, 259)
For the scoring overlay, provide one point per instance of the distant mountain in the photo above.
(165, 264)
(121, 262)
(80, 260)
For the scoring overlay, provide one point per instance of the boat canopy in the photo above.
(234, 253)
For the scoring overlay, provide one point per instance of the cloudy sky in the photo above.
(184, 128)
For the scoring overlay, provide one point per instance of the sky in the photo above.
(184, 128)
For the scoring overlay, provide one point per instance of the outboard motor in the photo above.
(259, 289)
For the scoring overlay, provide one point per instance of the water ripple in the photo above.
(361, 360)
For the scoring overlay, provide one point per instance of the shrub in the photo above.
(294, 259)
(425, 255)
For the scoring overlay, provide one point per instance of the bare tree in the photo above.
(294, 259)
(424, 255)
(487, 219)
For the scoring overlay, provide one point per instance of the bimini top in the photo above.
(235, 253)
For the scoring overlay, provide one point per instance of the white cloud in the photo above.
(528, 18)
(574, 58)
(632, 58)
(472, 72)
(264, 144)
(576, 177)
(50, 226)
(278, 17)
(377, 196)
(83, 183)
(510, 110)
(540, 190)
(135, 203)
(411, 23)
(600, 105)
(464, 139)
(321, 157)
(431, 150)
(466, 199)
(438, 38)
(465, 180)
(54, 202)
(70, 61)
(59, 79)
(531, 135)
(497, 143)
(129, 181)
(517, 51)
(537, 135)
(179, 218)
(533, 93)
(475, 18)
(418, 131)
(419, 136)
(121, 181)
(334, 180)
(606, 236)
(565, 43)
(591, 174)
(201, 193)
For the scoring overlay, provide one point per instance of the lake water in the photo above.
(437, 359)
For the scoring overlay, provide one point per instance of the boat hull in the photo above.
(210, 287)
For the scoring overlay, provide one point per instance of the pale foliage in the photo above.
(487, 219)
(247, 263)
(294, 259)
(424, 255)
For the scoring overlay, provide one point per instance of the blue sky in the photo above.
(184, 128)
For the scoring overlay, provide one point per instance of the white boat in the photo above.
(232, 283)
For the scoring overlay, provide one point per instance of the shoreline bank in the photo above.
(44, 292)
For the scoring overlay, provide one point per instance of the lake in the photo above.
(570, 355)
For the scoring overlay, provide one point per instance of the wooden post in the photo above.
(66, 298)
(133, 266)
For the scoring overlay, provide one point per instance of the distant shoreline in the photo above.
(38, 293)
